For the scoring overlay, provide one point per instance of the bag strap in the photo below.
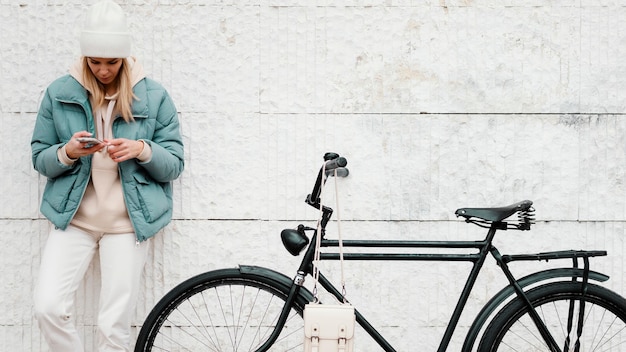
(343, 279)
(318, 237)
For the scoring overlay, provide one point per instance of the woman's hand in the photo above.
(122, 149)
(75, 149)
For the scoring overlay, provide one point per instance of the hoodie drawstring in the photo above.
(103, 121)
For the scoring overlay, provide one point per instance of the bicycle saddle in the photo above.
(494, 214)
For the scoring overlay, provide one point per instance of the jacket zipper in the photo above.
(119, 171)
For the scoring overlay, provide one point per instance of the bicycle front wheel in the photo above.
(591, 321)
(223, 311)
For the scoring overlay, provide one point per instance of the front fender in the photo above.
(276, 277)
(508, 291)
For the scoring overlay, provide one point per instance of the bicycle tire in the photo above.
(223, 310)
(604, 327)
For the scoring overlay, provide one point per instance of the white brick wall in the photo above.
(436, 105)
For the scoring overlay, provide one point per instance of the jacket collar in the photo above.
(73, 92)
(140, 107)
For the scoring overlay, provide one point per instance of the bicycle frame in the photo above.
(483, 249)
(477, 259)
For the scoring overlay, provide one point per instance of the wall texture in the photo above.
(435, 104)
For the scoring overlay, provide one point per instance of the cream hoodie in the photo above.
(102, 209)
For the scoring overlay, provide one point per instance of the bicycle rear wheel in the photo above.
(559, 304)
(224, 311)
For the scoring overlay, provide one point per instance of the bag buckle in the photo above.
(315, 338)
(342, 338)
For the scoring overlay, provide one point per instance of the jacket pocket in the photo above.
(152, 198)
(59, 189)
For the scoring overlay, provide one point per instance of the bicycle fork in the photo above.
(293, 293)
(539, 323)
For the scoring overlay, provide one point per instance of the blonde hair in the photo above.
(125, 95)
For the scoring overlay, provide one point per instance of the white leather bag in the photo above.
(328, 327)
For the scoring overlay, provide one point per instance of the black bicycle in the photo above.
(252, 308)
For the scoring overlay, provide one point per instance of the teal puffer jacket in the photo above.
(147, 187)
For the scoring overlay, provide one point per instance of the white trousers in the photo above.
(65, 260)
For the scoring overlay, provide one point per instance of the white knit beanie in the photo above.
(105, 33)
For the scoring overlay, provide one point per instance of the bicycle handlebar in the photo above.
(333, 162)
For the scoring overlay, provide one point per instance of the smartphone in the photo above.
(90, 141)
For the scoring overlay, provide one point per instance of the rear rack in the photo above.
(571, 254)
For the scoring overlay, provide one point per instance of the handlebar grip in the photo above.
(336, 163)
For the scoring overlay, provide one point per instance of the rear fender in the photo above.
(504, 294)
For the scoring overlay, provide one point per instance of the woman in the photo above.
(107, 197)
